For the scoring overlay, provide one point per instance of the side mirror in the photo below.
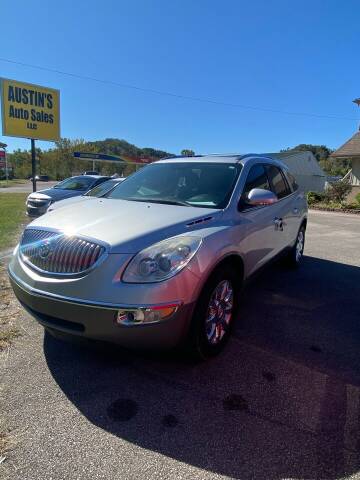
(259, 196)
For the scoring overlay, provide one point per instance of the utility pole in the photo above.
(357, 102)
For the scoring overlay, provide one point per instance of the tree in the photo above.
(59, 162)
(187, 153)
(321, 152)
(338, 191)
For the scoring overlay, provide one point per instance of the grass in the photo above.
(12, 217)
(12, 183)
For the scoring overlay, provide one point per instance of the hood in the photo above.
(56, 194)
(68, 201)
(126, 226)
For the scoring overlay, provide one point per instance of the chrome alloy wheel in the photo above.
(299, 245)
(219, 312)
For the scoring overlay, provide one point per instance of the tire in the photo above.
(220, 295)
(294, 257)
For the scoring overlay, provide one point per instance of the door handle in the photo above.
(279, 225)
(295, 210)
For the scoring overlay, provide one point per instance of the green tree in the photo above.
(59, 162)
(187, 153)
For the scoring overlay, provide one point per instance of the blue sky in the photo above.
(294, 56)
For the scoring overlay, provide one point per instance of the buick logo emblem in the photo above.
(45, 250)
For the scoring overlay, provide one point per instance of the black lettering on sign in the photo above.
(11, 95)
(40, 99)
(18, 94)
(19, 113)
(31, 93)
(41, 116)
(49, 100)
(25, 98)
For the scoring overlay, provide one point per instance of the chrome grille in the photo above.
(55, 252)
(38, 203)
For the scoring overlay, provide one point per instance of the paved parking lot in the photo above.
(283, 401)
(27, 187)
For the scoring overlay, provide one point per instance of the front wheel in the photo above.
(214, 313)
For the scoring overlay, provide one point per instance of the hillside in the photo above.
(59, 163)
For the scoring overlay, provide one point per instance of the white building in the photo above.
(351, 150)
(306, 169)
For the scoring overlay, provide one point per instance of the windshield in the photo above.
(101, 189)
(76, 183)
(207, 185)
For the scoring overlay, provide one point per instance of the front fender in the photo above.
(218, 244)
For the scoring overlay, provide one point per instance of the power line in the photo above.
(175, 95)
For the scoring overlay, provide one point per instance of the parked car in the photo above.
(91, 172)
(37, 203)
(161, 258)
(97, 191)
(41, 178)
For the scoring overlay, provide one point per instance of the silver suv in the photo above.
(161, 259)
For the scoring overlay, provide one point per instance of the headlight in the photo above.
(162, 260)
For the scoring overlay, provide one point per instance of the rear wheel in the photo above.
(215, 312)
(295, 255)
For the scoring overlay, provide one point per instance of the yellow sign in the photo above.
(30, 111)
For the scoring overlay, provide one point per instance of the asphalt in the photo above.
(27, 187)
(283, 400)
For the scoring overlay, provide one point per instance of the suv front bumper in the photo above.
(95, 321)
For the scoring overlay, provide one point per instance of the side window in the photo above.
(278, 183)
(256, 178)
(292, 181)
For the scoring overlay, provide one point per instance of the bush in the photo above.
(357, 198)
(351, 206)
(337, 191)
(314, 197)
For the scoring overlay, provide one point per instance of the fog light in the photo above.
(152, 314)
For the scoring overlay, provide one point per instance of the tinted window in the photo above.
(197, 184)
(256, 178)
(277, 180)
(101, 189)
(292, 181)
(76, 183)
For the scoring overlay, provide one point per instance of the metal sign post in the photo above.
(33, 164)
(6, 167)
(4, 162)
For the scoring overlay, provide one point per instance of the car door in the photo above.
(262, 235)
(287, 214)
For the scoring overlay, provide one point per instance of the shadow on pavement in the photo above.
(280, 402)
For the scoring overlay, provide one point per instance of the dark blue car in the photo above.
(37, 203)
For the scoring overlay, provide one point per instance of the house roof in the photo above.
(300, 162)
(351, 148)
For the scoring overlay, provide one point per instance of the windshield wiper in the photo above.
(162, 200)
